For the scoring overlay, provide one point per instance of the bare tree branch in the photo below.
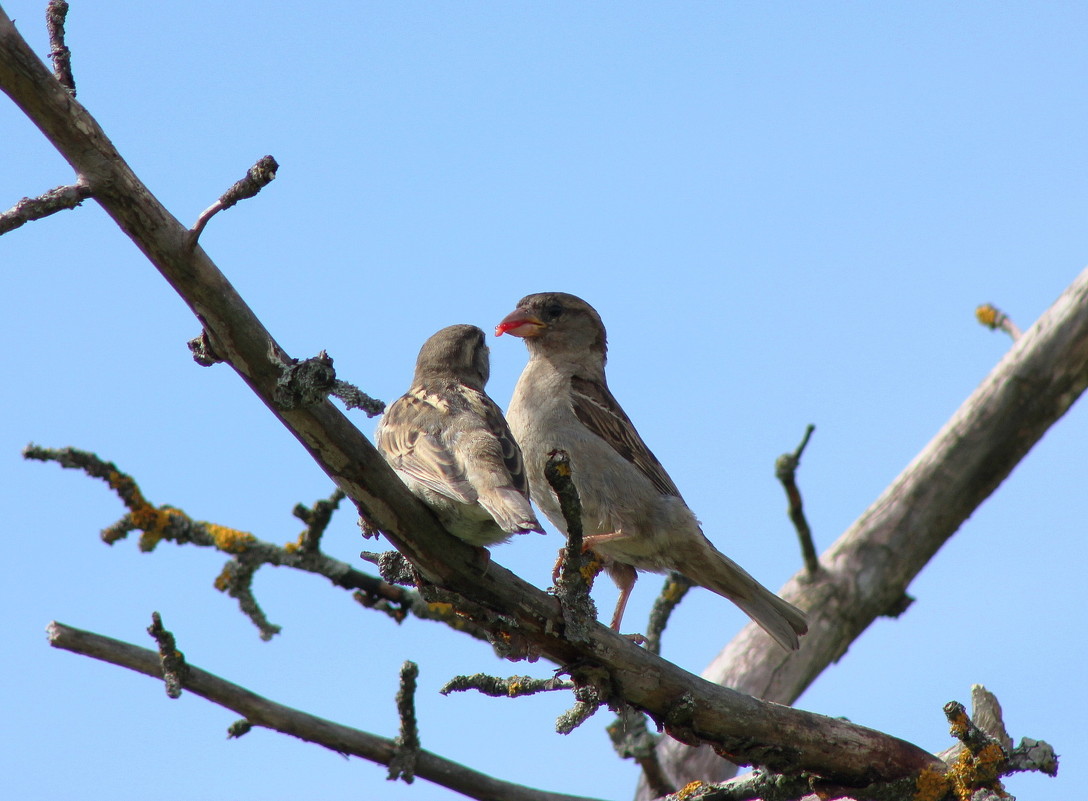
(355, 398)
(995, 319)
(27, 209)
(513, 687)
(256, 178)
(785, 470)
(248, 552)
(403, 763)
(574, 572)
(691, 710)
(1035, 383)
(174, 668)
(975, 766)
(55, 14)
(260, 711)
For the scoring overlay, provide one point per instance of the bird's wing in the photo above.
(599, 411)
(494, 422)
(410, 436)
(485, 448)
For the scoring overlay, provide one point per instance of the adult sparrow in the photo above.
(449, 443)
(632, 513)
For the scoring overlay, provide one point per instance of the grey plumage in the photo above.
(449, 443)
(633, 514)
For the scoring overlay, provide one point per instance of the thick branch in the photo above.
(1040, 377)
(749, 730)
(259, 711)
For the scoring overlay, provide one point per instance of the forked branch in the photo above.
(259, 711)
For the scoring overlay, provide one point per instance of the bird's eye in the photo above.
(552, 311)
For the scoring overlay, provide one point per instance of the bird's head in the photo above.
(457, 352)
(554, 323)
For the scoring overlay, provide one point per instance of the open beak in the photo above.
(520, 323)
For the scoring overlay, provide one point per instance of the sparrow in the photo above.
(633, 516)
(449, 443)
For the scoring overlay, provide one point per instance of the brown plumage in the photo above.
(449, 443)
(632, 512)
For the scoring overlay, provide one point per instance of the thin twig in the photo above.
(513, 687)
(785, 470)
(236, 580)
(632, 739)
(203, 351)
(174, 668)
(355, 398)
(249, 552)
(55, 14)
(403, 763)
(257, 178)
(34, 208)
(316, 520)
(994, 319)
(631, 736)
(672, 593)
(965, 730)
(575, 568)
(259, 711)
(587, 702)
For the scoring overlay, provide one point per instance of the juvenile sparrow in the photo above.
(632, 512)
(449, 443)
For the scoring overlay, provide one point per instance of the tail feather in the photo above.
(510, 509)
(718, 573)
(783, 621)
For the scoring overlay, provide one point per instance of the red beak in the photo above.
(519, 323)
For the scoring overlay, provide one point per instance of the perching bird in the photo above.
(449, 443)
(632, 513)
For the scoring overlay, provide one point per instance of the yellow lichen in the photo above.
(291, 547)
(148, 541)
(154, 523)
(124, 485)
(958, 724)
(590, 570)
(689, 790)
(988, 762)
(229, 540)
(222, 581)
(970, 772)
(931, 785)
(673, 591)
(513, 688)
(987, 315)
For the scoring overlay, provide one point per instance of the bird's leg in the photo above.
(594, 566)
(624, 576)
(557, 568)
(482, 558)
(588, 543)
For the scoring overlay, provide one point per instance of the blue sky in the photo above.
(785, 213)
